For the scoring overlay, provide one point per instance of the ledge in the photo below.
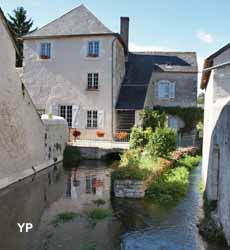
(8, 181)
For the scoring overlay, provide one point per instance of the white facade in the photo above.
(62, 80)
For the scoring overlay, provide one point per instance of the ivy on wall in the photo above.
(190, 115)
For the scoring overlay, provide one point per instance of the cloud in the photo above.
(205, 37)
(141, 48)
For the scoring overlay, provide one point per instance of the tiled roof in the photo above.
(79, 21)
(141, 66)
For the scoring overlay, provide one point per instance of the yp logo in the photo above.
(25, 227)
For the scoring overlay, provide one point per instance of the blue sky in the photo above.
(194, 25)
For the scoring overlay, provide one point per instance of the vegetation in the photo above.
(190, 115)
(207, 227)
(162, 142)
(99, 202)
(99, 214)
(190, 162)
(20, 26)
(63, 218)
(153, 119)
(88, 246)
(71, 157)
(200, 98)
(170, 187)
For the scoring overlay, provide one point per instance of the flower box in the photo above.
(92, 55)
(100, 133)
(76, 133)
(44, 57)
(122, 135)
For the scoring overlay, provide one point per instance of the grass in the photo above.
(99, 214)
(170, 187)
(190, 162)
(63, 218)
(88, 246)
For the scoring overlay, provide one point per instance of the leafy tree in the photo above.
(153, 118)
(20, 26)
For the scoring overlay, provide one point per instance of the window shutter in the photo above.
(54, 109)
(172, 90)
(75, 116)
(157, 89)
(101, 119)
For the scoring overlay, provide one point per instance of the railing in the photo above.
(122, 135)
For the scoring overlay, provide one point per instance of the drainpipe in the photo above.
(112, 118)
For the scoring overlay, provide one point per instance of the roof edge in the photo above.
(208, 62)
(5, 23)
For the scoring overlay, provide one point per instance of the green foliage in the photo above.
(63, 218)
(88, 246)
(190, 115)
(170, 187)
(71, 157)
(99, 202)
(153, 119)
(200, 128)
(190, 162)
(20, 26)
(99, 214)
(161, 142)
(130, 158)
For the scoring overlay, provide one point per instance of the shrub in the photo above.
(190, 162)
(98, 214)
(76, 133)
(153, 119)
(162, 142)
(170, 187)
(139, 137)
(63, 218)
(130, 158)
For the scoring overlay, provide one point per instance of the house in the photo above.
(216, 141)
(76, 67)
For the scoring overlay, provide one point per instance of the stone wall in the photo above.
(129, 188)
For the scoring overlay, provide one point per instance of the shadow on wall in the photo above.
(218, 177)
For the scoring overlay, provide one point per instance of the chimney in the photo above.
(124, 30)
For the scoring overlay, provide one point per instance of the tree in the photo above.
(20, 26)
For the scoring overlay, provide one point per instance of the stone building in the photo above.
(76, 67)
(216, 141)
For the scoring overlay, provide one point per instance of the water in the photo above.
(136, 224)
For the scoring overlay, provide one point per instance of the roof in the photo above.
(208, 62)
(139, 70)
(5, 22)
(79, 21)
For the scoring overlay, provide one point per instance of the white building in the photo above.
(216, 142)
(77, 68)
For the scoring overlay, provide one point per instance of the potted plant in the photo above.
(76, 133)
(44, 57)
(121, 135)
(100, 133)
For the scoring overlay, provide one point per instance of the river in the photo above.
(135, 225)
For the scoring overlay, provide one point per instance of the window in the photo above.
(92, 80)
(166, 90)
(45, 50)
(93, 49)
(92, 119)
(172, 122)
(66, 112)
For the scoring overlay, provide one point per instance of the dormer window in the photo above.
(165, 89)
(93, 81)
(93, 49)
(45, 51)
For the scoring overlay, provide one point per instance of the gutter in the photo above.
(112, 118)
(215, 67)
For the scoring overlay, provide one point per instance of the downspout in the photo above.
(112, 118)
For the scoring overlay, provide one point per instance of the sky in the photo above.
(173, 25)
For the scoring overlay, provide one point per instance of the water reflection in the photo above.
(137, 224)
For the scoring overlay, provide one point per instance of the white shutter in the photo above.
(172, 90)
(100, 119)
(75, 116)
(162, 90)
(54, 109)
